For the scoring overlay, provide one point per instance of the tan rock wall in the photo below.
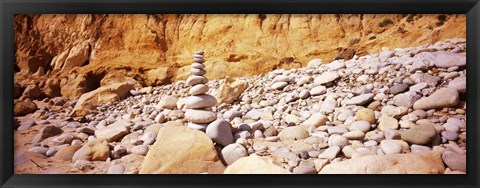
(235, 45)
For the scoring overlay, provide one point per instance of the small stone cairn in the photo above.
(199, 104)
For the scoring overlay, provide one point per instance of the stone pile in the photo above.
(199, 103)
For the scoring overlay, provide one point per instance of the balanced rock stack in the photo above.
(199, 103)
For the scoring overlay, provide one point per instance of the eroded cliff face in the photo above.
(79, 53)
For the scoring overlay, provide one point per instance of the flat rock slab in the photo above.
(360, 100)
(449, 59)
(412, 163)
(326, 77)
(114, 131)
(444, 97)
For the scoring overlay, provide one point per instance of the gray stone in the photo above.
(363, 126)
(318, 90)
(198, 89)
(360, 100)
(232, 153)
(326, 77)
(116, 169)
(390, 147)
(330, 153)
(198, 65)
(391, 134)
(421, 134)
(200, 101)
(354, 135)
(46, 132)
(398, 88)
(279, 85)
(304, 170)
(422, 77)
(140, 150)
(198, 126)
(200, 116)
(337, 140)
(38, 149)
(448, 59)
(406, 99)
(198, 72)
(393, 111)
(418, 87)
(455, 161)
(460, 84)
(220, 131)
(444, 97)
(194, 80)
(461, 124)
(26, 125)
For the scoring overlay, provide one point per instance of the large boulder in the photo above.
(24, 107)
(75, 87)
(181, 150)
(88, 102)
(52, 87)
(33, 92)
(254, 164)
(230, 90)
(428, 162)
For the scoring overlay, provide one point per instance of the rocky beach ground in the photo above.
(401, 111)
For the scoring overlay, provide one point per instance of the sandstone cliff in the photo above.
(79, 53)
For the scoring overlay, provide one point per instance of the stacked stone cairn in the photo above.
(199, 104)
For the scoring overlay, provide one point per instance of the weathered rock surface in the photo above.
(413, 163)
(180, 150)
(230, 90)
(24, 107)
(88, 102)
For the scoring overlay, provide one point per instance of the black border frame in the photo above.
(10, 7)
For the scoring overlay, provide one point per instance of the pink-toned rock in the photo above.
(412, 163)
